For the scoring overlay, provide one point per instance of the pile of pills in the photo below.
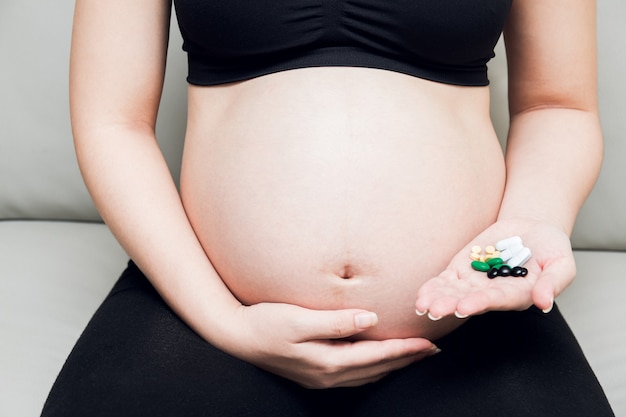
(505, 259)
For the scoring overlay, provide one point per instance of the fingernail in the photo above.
(433, 318)
(365, 320)
(549, 309)
(420, 313)
(460, 316)
(435, 350)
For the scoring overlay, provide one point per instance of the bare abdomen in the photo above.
(334, 203)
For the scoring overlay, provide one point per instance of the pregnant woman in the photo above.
(339, 165)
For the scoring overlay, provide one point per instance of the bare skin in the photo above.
(304, 187)
(318, 204)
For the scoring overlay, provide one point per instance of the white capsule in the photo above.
(506, 254)
(509, 243)
(520, 258)
(510, 252)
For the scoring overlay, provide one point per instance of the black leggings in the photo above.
(137, 358)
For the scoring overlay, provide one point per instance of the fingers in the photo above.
(473, 295)
(349, 364)
(342, 363)
(439, 296)
(504, 296)
(310, 347)
(554, 278)
(385, 352)
(448, 294)
(478, 301)
(337, 324)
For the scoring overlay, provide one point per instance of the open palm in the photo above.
(462, 291)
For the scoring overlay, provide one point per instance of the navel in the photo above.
(346, 271)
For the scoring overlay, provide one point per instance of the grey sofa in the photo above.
(58, 261)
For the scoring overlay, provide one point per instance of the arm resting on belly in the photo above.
(116, 73)
(117, 67)
(132, 187)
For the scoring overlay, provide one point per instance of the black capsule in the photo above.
(492, 273)
(516, 271)
(504, 271)
(523, 272)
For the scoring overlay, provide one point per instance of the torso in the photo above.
(340, 187)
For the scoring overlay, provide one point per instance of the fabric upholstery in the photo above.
(57, 261)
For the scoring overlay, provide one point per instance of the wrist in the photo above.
(525, 214)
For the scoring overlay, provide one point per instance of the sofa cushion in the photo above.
(602, 222)
(53, 275)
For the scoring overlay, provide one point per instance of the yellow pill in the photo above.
(490, 249)
(495, 254)
(475, 256)
(476, 249)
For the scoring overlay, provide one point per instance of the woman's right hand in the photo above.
(310, 348)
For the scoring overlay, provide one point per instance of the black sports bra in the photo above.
(448, 41)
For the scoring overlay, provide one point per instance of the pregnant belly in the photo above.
(358, 229)
(327, 215)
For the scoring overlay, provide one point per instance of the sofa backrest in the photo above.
(39, 177)
(602, 221)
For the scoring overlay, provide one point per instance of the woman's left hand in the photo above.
(462, 291)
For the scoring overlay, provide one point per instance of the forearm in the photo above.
(133, 190)
(553, 159)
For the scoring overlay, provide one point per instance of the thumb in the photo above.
(554, 278)
(338, 324)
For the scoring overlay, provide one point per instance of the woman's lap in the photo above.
(136, 358)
